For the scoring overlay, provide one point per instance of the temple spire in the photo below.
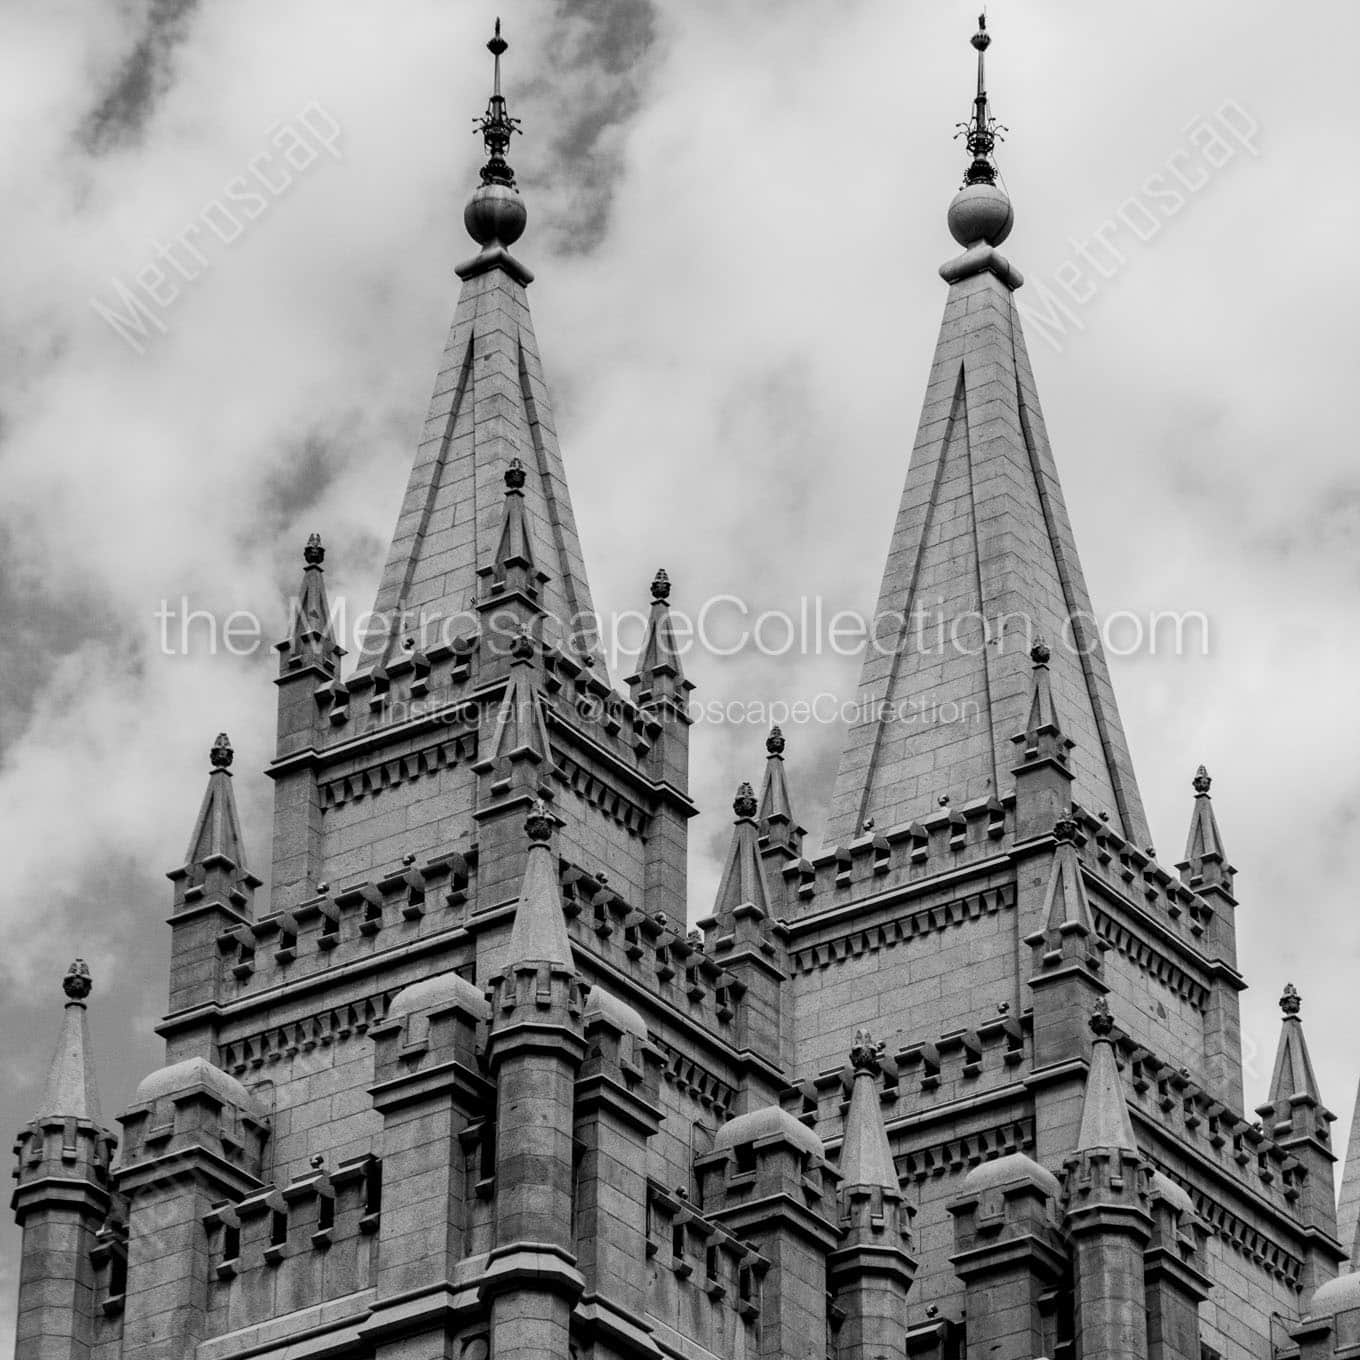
(490, 411)
(982, 559)
(70, 1091)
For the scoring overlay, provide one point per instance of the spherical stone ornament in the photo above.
(981, 212)
(76, 984)
(744, 804)
(495, 215)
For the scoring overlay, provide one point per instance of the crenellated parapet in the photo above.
(285, 1248)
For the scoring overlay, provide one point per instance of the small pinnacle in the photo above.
(314, 554)
(866, 1054)
(1104, 814)
(1039, 653)
(539, 823)
(408, 860)
(317, 1161)
(944, 800)
(514, 475)
(1003, 1008)
(867, 824)
(1102, 1022)
(601, 877)
(696, 939)
(1150, 851)
(933, 1310)
(744, 804)
(774, 743)
(1201, 782)
(221, 754)
(522, 649)
(76, 984)
(1065, 830)
(1291, 1001)
(661, 585)
(323, 887)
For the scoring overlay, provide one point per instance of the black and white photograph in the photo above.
(677, 680)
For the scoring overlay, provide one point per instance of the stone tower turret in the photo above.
(62, 1194)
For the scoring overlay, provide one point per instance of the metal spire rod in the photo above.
(982, 132)
(496, 125)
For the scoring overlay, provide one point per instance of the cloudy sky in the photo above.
(736, 217)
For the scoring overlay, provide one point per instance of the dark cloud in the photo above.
(145, 74)
(605, 51)
(43, 625)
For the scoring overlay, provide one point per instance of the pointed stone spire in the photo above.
(982, 557)
(1295, 1117)
(1067, 911)
(1105, 1119)
(512, 567)
(311, 641)
(62, 1195)
(660, 673)
(216, 847)
(1293, 1082)
(866, 1158)
(742, 887)
(1206, 861)
(490, 406)
(1348, 1202)
(518, 754)
(778, 826)
(539, 933)
(70, 1091)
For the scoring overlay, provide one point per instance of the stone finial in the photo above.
(515, 475)
(522, 649)
(1291, 1002)
(1065, 829)
(744, 804)
(1102, 1022)
(538, 824)
(314, 554)
(661, 586)
(866, 1053)
(1039, 653)
(774, 743)
(1201, 782)
(77, 982)
(221, 755)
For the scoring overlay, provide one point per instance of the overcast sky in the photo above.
(736, 213)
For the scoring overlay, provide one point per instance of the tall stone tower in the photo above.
(468, 1088)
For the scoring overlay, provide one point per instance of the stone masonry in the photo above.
(464, 1085)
